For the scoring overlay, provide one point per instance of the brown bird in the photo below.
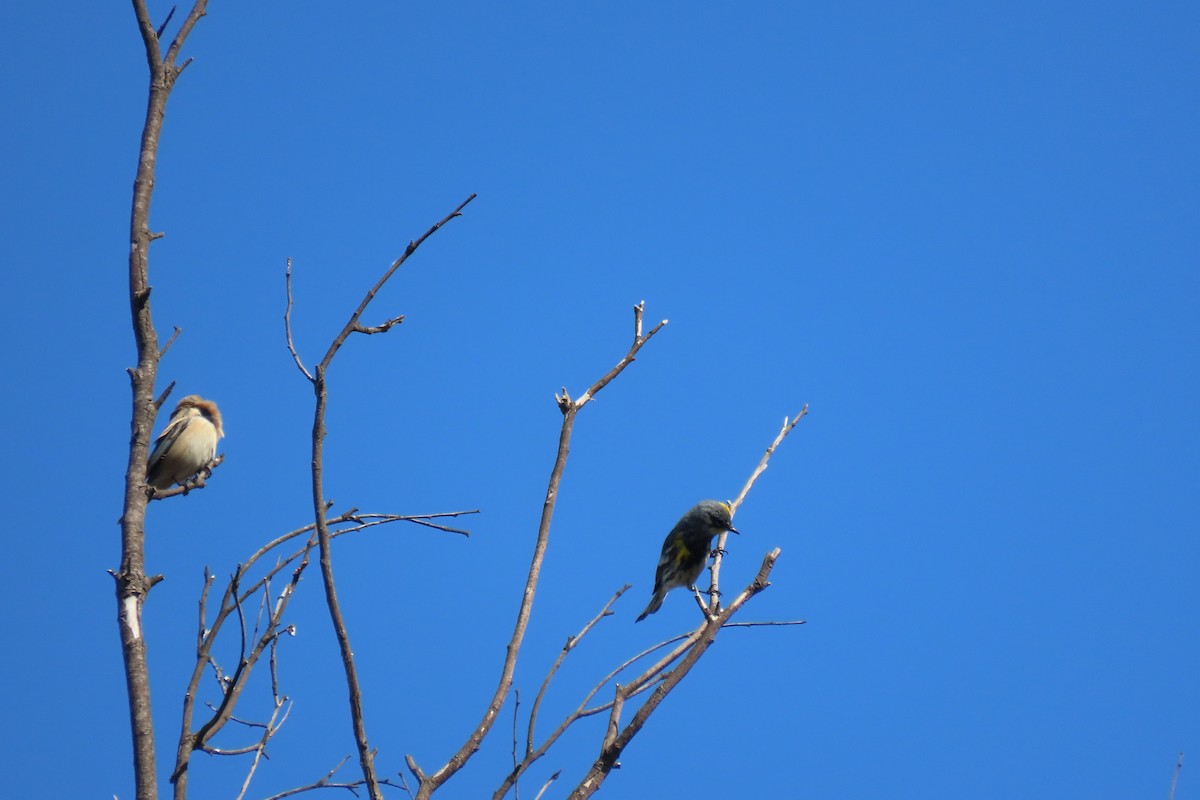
(188, 443)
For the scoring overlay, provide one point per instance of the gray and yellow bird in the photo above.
(188, 443)
(686, 549)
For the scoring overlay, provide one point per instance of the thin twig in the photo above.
(260, 749)
(700, 601)
(241, 615)
(158, 33)
(570, 645)
(421, 519)
(363, 522)
(353, 323)
(231, 687)
(162, 398)
(642, 680)
(1175, 776)
(162, 351)
(287, 324)
(386, 326)
(404, 785)
(546, 785)
(516, 708)
(199, 481)
(784, 430)
(326, 782)
(638, 342)
(532, 755)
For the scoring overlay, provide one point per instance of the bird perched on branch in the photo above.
(188, 443)
(686, 549)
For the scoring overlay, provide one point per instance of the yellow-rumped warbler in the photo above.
(686, 549)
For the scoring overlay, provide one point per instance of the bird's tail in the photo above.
(155, 476)
(655, 604)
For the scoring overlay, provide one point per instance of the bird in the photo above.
(188, 443)
(686, 549)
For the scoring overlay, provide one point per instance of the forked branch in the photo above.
(429, 783)
(614, 742)
(231, 685)
(366, 755)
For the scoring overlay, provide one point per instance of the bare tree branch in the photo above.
(569, 408)
(766, 623)
(762, 462)
(383, 328)
(158, 33)
(232, 686)
(353, 323)
(327, 782)
(531, 755)
(705, 635)
(272, 726)
(198, 481)
(714, 600)
(638, 341)
(1175, 776)
(516, 710)
(287, 324)
(198, 11)
(132, 583)
(646, 678)
(361, 522)
(546, 785)
(162, 398)
(366, 756)
(234, 596)
(572, 642)
(642, 683)
(162, 351)
(687, 652)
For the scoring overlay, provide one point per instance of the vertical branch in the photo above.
(1175, 776)
(132, 583)
(569, 408)
(366, 755)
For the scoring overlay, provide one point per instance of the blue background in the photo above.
(965, 234)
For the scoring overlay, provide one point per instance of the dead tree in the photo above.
(256, 596)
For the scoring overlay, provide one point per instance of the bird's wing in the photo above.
(674, 550)
(169, 436)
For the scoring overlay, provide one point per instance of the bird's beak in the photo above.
(735, 530)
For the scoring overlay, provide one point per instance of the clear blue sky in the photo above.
(966, 234)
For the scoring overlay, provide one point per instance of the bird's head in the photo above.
(717, 515)
(195, 405)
